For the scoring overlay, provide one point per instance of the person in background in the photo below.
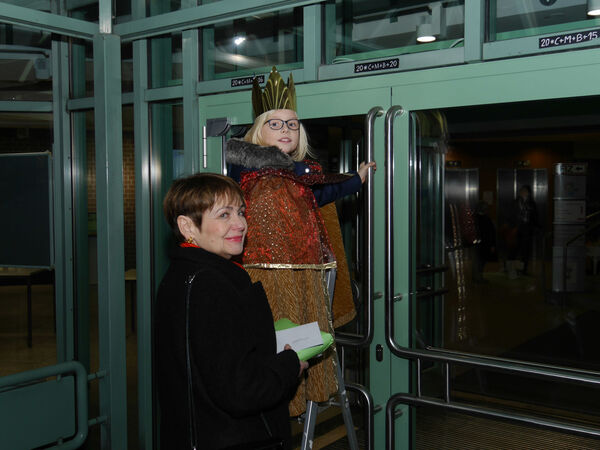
(525, 221)
(221, 383)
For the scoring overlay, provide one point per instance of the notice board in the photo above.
(26, 236)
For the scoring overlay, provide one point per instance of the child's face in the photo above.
(286, 137)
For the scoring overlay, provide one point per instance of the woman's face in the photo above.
(223, 229)
(284, 138)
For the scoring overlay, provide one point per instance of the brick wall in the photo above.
(128, 191)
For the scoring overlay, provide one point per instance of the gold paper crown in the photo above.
(276, 94)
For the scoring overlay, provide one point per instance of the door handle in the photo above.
(364, 340)
(390, 117)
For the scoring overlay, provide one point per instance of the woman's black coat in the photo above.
(236, 372)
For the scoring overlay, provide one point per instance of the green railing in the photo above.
(44, 406)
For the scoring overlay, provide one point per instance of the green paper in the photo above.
(307, 353)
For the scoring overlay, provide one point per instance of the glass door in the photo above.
(41, 379)
(335, 121)
(500, 268)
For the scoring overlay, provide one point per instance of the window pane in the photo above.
(127, 67)
(515, 18)
(373, 28)
(154, 8)
(244, 45)
(82, 69)
(27, 321)
(25, 64)
(165, 60)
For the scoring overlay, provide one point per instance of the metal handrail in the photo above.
(594, 214)
(351, 339)
(370, 407)
(412, 400)
(65, 368)
(562, 374)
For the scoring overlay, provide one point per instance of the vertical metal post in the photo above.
(63, 204)
(447, 382)
(191, 113)
(105, 13)
(80, 207)
(329, 36)
(312, 42)
(144, 244)
(208, 53)
(347, 26)
(419, 369)
(490, 16)
(474, 30)
(111, 258)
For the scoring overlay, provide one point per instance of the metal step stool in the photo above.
(312, 408)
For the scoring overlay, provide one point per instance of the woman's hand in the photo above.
(303, 367)
(303, 364)
(363, 169)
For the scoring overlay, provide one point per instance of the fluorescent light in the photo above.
(239, 39)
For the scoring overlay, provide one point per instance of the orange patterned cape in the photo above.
(285, 226)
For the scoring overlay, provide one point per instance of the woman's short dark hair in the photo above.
(192, 196)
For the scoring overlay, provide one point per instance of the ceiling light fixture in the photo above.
(425, 33)
(238, 40)
(593, 7)
(433, 24)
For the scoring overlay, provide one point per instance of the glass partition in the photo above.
(253, 44)
(167, 165)
(511, 19)
(27, 321)
(507, 241)
(127, 67)
(361, 29)
(82, 68)
(166, 65)
(154, 8)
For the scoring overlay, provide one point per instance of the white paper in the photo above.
(300, 337)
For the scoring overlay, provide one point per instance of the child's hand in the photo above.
(363, 169)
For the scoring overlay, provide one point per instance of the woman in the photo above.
(288, 247)
(214, 329)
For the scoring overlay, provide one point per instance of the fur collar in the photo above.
(252, 156)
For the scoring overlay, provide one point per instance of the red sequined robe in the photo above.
(288, 250)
